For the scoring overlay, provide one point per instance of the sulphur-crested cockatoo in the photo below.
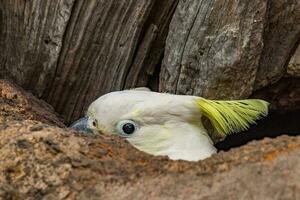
(169, 125)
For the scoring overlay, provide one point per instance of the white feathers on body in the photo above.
(164, 124)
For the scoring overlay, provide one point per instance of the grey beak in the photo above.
(81, 125)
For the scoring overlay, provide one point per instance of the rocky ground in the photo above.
(41, 159)
(16, 104)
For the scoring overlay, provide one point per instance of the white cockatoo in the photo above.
(170, 125)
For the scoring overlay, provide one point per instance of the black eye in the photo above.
(128, 128)
(95, 123)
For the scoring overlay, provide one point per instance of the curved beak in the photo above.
(81, 125)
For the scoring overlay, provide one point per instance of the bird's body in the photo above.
(170, 125)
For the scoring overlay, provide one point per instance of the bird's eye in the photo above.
(95, 123)
(126, 128)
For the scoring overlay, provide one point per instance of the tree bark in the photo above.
(293, 69)
(229, 49)
(281, 38)
(69, 52)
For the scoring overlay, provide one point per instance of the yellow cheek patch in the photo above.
(101, 129)
(136, 112)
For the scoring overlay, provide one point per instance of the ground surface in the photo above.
(42, 161)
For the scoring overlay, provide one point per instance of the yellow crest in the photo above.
(232, 116)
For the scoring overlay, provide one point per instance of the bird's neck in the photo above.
(178, 142)
(191, 146)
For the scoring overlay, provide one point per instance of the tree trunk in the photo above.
(293, 69)
(229, 49)
(69, 52)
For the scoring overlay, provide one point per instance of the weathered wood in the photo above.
(284, 95)
(31, 37)
(150, 52)
(99, 47)
(213, 48)
(70, 52)
(281, 38)
(224, 49)
(293, 68)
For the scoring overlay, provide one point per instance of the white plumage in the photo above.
(163, 124)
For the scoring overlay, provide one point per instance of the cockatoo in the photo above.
(170, 125)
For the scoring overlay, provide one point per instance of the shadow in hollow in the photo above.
(274, 125)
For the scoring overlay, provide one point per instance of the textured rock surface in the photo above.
(39, 161)
(16, 104)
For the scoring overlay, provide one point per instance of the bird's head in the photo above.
(156, 123)
(115, 114)
(166, 124)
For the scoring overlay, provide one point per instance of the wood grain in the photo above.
(229, 49)
(69, 52)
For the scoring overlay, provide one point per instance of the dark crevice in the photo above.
(158, 43)
(141, 36)
(276, 124)
(153, 80)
